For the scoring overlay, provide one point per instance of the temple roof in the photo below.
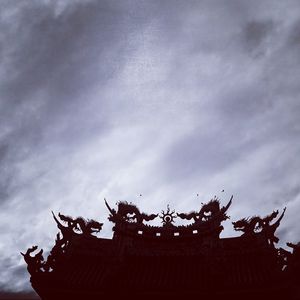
(162, 260)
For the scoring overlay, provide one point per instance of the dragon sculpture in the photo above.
(256, 224)
(34, 263)
(208, 212)
(129, 213)
(58, 249)
(77, 226)
(37, 263)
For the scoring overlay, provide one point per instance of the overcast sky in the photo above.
(161, 98)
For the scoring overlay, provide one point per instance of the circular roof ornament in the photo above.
(168, 216)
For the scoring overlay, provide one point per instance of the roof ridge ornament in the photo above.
(258, 225)
(168, 216)
(139, 254)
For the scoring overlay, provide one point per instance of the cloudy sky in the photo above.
(161, 98)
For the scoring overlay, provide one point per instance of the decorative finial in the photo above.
(168, 216)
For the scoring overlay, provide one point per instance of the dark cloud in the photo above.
(256, 34)
(62, 50)
(293, 38)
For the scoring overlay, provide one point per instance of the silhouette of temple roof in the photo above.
(167, 261)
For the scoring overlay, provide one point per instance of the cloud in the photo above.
(168, 100)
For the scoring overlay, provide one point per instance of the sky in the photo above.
(167, 99)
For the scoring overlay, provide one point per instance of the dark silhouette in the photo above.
(128, 212)
(257, 224)
(34, 263)
(170, 261)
